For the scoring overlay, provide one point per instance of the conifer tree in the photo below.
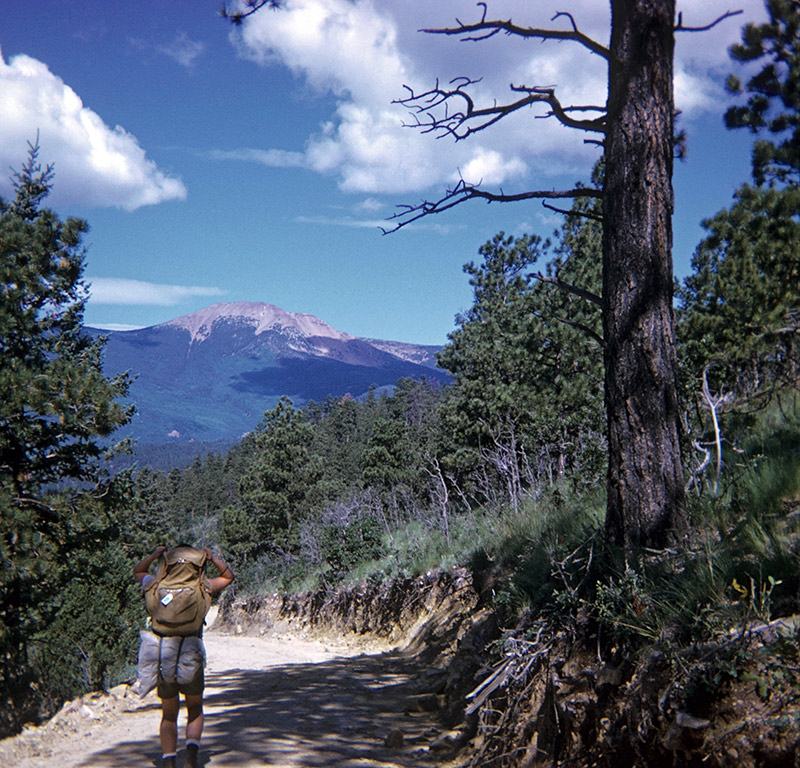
(740, 309)
(527, 355)
(56, 408)
(773, 93)
(56, 402)
(279, 485)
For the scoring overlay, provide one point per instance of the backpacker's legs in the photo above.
(168, 730)
(194, 727)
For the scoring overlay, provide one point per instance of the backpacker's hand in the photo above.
(140, 569)
(225, 573)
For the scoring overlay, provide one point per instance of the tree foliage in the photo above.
(527, 359)
(773, 93)
(56, 402)
(740, 307)
(57, 410)
(278, 487)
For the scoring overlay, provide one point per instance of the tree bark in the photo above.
(645, 477)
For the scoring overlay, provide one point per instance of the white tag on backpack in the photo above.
(167, 599)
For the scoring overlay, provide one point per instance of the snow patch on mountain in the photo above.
(264, 317)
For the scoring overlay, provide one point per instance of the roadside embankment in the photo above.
(554, 691)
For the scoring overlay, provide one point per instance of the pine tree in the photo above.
(527, 357)
(56, 409)
(740, 308)
(56, 403)
(773, 103)
(280, 485)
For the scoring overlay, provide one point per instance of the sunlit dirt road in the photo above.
(269, 702)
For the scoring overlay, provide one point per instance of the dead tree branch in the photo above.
(590, 332)
(572, 212)
(489, 28)
(713, 403)
(464, 191)
(467, 119)
(727, 15)
(569, 287)
(451, 111)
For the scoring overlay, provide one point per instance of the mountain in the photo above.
(211, 375)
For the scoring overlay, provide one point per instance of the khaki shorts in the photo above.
(193, 688)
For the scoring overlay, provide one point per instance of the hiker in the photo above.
(169, 692)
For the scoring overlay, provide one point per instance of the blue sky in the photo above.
(257, 164)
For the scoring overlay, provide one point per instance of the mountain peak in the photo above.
(263, 316)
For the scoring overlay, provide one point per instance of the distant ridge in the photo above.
(212, 374)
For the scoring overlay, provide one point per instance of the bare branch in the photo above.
(569, 16)
(569, 287)
(713, 403)
(450, 110)
(463, 192)
(727, 15)
(561, 113)
(484, 29)
(572, 212)
(462, 118)
(586, 329)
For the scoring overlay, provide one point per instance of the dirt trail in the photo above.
(269, 701)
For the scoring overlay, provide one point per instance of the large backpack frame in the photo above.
(179, 597)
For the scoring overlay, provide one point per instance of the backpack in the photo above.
(179, 597)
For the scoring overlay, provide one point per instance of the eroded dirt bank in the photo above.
(555, 692)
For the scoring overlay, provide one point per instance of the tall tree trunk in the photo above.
(645, 478)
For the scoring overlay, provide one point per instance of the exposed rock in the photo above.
(121, 691)
(421, 611)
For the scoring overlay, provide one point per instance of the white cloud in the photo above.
(183, 50)
(273, 158)
(117, 290)
(342, 221)
(364, 51)
(117, 326)
(95, 164)
(488, 167)
(370, 205)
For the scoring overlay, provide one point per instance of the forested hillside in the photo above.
(503, 471)
(210, 375)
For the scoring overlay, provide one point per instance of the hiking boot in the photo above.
(191, 756)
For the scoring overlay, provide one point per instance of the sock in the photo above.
(171, 754)
(193, 743)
